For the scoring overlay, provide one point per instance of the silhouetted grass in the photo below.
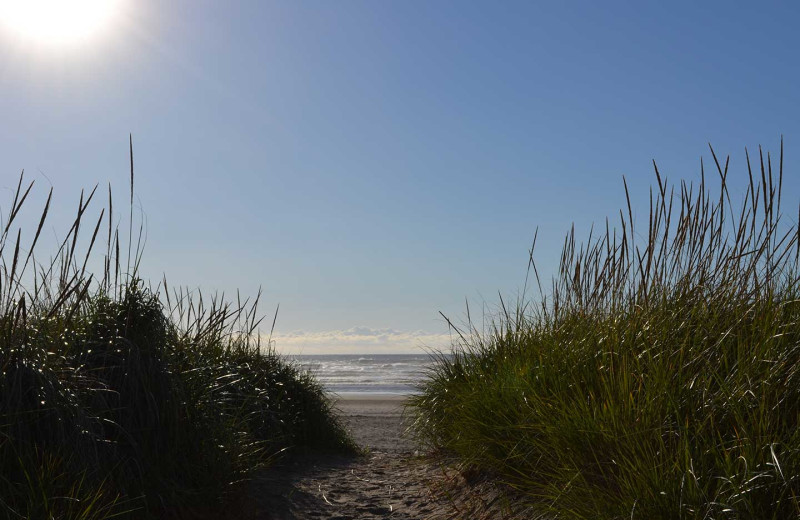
(117, 401)
(658, 378)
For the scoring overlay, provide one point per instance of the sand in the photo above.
(376, 422)
(392, 481)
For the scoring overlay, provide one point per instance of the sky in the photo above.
(370, 164)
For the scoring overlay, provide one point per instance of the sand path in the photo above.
(391, 482)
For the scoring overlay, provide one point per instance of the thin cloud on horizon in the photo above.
(359, 340)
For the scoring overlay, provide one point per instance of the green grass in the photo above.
(119, 401)
(659, 377)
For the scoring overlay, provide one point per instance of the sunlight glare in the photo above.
(57, 22)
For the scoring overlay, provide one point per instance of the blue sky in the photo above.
(372, 163)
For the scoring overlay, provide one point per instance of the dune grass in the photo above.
(121, 401)
(658, 377)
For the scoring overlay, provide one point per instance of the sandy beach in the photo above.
(392, 480)
(376, 421)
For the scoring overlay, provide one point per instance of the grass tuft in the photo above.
(121, 401)
(659, 377)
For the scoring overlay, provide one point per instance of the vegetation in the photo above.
(658, 378)
(120, 401)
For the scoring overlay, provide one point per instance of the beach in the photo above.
(393, 479)
(376, 421)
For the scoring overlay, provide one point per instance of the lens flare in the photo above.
(57, 22)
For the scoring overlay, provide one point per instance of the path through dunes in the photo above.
(378, 486)
(392, 481)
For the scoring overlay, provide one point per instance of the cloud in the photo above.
(359, 340)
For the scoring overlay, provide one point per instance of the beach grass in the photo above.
(657, 377)
(122, 401)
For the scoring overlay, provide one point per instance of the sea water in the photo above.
(392, 374)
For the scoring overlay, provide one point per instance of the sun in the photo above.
(57, 22)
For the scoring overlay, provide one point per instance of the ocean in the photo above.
(394, 374)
